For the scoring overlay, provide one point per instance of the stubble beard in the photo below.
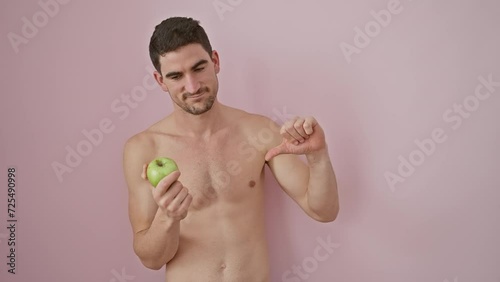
(195, 109)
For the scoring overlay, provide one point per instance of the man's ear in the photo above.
(216, 61)
(159, 79)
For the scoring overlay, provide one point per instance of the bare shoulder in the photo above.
(261, 127)
(140, 143)
(137, 151)
(248, 121)
(145, 142)
(142, 148)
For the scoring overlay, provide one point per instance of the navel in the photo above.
(251, 183)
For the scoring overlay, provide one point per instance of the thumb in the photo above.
(278, 150)
(144, 174)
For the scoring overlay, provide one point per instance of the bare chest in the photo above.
(228, 169)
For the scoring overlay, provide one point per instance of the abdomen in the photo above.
(223, 242)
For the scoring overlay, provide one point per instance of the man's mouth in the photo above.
(197, 95)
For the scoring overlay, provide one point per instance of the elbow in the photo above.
(322, 209)
(326, 216)
(151, 264)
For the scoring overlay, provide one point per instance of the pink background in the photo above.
(440, 224)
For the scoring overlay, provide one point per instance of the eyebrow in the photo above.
(174, 73)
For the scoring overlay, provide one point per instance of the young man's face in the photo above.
(189, 74)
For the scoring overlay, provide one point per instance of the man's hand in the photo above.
(300, 136)
(170, 195)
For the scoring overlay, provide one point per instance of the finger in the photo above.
(144, 174)
(186, 203)
(173, 206)
(182, 211)
(166, 181)
(288, 137)
(299, 127)
(163, 200)
(309, 124)
(288, 132)
(273, 152)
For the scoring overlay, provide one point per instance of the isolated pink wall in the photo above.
(440, 224)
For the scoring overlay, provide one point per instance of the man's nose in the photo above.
(192, 84)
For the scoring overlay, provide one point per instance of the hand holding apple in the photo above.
(159, 168)
(170, 195)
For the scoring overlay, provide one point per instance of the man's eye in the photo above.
(199, 69)
(175, 77)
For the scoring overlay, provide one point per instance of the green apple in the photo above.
(159, 168)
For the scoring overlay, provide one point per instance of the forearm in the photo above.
(158, 244)
(322, 194)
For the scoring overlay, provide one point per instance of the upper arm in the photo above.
(291, 172)
(142, 207)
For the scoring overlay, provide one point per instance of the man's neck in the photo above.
(203, 126)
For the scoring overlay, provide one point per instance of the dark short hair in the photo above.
(174, 33)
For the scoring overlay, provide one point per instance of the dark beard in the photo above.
(197, 111)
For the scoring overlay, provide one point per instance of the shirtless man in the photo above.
(205, 222)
